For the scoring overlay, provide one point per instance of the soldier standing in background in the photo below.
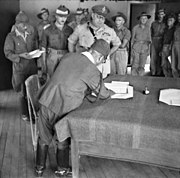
(55, 40)
(167, 45)
(140, 44)
(157, 31)
(43, 24)
(176, 49)
(119, 58)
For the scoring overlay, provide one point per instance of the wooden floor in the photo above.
(16, 153)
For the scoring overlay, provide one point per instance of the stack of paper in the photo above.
(170, 96)
(36, 53)
(122, 89)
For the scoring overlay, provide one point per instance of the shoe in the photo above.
(64, 172)
(25, 118)
(41, 155)
(38, 172)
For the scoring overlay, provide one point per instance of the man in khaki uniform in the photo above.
(140, 44)
(84, 35)
(55, 40)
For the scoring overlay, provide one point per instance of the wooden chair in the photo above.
(32, 86)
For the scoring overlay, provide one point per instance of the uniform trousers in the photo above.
(155, 63)
(53, 59)
(138, 62)
(46, 122)
(119, 60)
(166, 65)
(176, 59)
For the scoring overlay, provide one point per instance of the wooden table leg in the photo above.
(75, 158)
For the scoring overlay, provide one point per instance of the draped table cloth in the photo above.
(140, 129)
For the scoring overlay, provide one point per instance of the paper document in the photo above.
(36, 53)
(122, 89)
(170, 96)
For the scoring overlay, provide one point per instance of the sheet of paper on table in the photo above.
(122, 89)
(170, 96)
(36, 53)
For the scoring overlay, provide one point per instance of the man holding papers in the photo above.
(17, 46)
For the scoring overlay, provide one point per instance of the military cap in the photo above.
(43, 10)
(119, 14)
(101, 46)
(62, 11)
(171, 15)
(160, 11)
(22, 17)
(144, 14)
(100, 10)
(79, 11)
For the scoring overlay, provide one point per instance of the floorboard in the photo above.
(17, 156)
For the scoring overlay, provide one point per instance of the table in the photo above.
(140, 129)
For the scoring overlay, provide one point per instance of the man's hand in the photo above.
(25, 55)
(111, 92)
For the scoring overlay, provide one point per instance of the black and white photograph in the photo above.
(90, 88)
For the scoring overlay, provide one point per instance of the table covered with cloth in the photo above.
(140, 129)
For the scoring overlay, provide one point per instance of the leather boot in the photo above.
(62, 157)
(41, 156)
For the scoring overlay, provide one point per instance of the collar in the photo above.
(121, 29)
(88, 55)
(60, 27)
(24, 36)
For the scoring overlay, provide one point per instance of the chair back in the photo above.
(32, 87)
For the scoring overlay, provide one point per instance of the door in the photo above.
(8, 11)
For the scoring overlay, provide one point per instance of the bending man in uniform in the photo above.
(74, 77)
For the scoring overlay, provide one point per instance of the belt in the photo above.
(84, 47)
(157, 37)
(59, 51)
(142, 42)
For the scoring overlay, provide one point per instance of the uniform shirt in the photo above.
(70, 83)
(157, 29)
(141, 38)
(41, 27)
(54, 38)
(168, 35)
(84, 37)
(123, 33)
(177, 33)
(15, 45)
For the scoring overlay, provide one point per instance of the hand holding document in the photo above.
(170, 96)
(122, 89)
(33, 54)
(36, 53)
